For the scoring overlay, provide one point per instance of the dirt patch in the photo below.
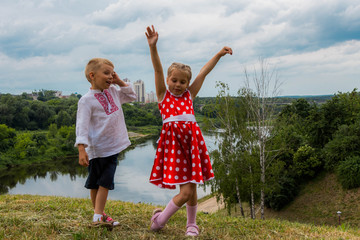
(211, 205)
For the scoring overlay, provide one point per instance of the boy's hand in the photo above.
(225, 50)
(83, 157)
(118, 81)
(151, 35)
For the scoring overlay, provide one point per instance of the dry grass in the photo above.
(38, 217)
(319, 201)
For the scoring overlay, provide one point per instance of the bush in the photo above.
(286, 192)
(348, 172)
(306, 162)
(345, 143)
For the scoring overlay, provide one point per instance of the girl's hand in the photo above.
(225, 50)
(151, 35)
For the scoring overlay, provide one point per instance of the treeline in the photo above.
(312, 138)
(23, 113)
(34, 130)
(207, 106)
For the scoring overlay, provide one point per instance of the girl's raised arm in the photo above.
(152, 37)
(206, 69)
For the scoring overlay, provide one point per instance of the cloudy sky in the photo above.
(313, 45)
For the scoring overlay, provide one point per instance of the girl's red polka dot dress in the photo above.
(181, 154)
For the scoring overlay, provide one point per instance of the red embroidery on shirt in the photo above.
(105, 102)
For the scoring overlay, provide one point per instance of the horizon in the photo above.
(280, 96)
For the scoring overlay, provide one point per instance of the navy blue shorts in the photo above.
(101, 172)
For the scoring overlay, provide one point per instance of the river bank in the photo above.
(34, 147)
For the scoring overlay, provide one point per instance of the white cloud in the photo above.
(55, 38)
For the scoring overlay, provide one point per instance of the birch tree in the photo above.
(261, 88)
(233, 163)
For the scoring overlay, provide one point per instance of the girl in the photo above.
(181, 156)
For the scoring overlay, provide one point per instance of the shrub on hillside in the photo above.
(286, 192)
(348, 172)
(345, 143)
(306, 162)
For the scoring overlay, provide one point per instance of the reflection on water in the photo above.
(51, 172)
(66, 178)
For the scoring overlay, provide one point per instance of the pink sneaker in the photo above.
(108, 219)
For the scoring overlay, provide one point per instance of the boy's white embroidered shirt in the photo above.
(100, 122)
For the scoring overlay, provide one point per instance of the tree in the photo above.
(45, 95)
(261, 111)
(342, 109)
(63, 119)
(237, 171)
(7, 137)
(40, 113)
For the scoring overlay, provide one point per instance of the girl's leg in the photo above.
(191, 209)
(187, 192)
(159, 219)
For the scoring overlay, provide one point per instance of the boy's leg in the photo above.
(103, 171)
(101, 197)
(93, 193)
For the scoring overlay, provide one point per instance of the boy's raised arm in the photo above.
(206, 69)
(152, 37)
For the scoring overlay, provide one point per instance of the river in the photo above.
(66, 178)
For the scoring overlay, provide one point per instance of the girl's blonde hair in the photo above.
(181, 67)
(94, 64)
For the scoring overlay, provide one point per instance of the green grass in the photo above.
(42, 217)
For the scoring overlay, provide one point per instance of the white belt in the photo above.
(178, 118)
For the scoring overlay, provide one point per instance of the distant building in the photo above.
(139, 89)
(58, 94)
(150, 97)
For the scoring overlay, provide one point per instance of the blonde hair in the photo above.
(181, 67)
(94, 64)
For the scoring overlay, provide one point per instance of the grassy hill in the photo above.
(319, 201)
(317, 204)
(41, 217)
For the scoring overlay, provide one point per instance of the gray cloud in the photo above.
(46, 44)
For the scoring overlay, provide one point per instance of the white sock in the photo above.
(97, 217)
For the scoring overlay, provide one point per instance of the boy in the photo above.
(101, 132)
